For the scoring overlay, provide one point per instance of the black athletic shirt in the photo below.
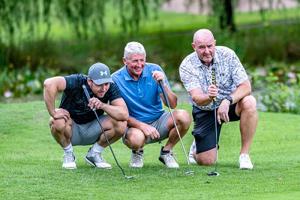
(74, 100)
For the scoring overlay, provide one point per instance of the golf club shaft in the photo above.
(176, 128)
(216, 132)
(213, 80)
(97, 117)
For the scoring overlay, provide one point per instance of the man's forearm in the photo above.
(49, 99)
(202, 99)
(242, 90)
(117, 112)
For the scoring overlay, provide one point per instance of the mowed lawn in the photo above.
(30, 164)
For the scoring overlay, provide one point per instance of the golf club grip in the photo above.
(164, 93)
(213, 76)
(87, 95)
(213, 79)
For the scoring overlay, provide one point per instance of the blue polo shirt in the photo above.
(142, 95)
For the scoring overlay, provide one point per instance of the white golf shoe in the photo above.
(191, 153)
(137, 160)
(69, 161)
(168, 159)
(245, 162)
(96, 160)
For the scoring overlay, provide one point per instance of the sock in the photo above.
(138, 151)
(164, 151)
(97, 148)
(68, 149)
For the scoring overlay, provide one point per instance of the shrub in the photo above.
(277, 88)
(21, 82)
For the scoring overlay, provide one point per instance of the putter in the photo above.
(213, 78)
(188, 172)
(112, 152)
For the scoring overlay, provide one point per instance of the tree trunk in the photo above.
(227, 16)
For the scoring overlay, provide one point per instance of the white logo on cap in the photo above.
(103, 73)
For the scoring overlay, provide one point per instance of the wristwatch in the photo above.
(229, 98)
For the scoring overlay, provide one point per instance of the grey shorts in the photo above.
(86, 134)
(161, 126)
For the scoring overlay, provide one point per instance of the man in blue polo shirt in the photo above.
(74, 122)
(148, 122)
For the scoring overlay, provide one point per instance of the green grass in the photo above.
(30, 164)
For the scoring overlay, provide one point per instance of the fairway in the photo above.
(30, 164)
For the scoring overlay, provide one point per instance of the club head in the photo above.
(128, 177)
(213, 173)
(189, 172)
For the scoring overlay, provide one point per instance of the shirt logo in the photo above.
(103, 73)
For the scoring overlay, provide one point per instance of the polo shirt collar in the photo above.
(216, 57)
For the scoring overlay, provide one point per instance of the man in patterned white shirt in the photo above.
(231, 93)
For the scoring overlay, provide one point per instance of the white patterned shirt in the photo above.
(229, 71)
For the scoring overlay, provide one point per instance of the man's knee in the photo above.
(206, 158)
(205, 161)
(249, 104)
(183, 118)
(135, 139)
(57, 125)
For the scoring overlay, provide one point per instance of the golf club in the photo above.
(188, 172)
(112, 152)
(213, 78)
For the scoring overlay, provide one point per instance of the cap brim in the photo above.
(102, 81)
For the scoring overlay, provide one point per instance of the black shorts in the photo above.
(204, 127)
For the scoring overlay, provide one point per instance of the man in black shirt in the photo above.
(74, 122)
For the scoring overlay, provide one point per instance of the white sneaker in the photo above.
(191, 153)
(168, 159)
(245, 162)
(137, 160)
(69, 161)
(96, 160)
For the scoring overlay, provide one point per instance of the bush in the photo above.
(21, 82)
(277, 88)
(256, 46)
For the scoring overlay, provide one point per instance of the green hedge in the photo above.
(257, 46)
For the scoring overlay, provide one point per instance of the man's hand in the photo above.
(223, 110)
(158, 75)
(149, 131)
(95, 103)
(212, 91)
(60, 113)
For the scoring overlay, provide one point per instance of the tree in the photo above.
(21, 19)
(226, 16)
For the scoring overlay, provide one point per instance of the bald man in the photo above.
(215, 79)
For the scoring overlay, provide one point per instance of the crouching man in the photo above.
(75, 123)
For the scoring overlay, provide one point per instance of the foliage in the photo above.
(32, 168)
(224, 10)
(21, 20)
(17, 83)
(277, 88)
(281, 98)
(223, 13)
(51, 49)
